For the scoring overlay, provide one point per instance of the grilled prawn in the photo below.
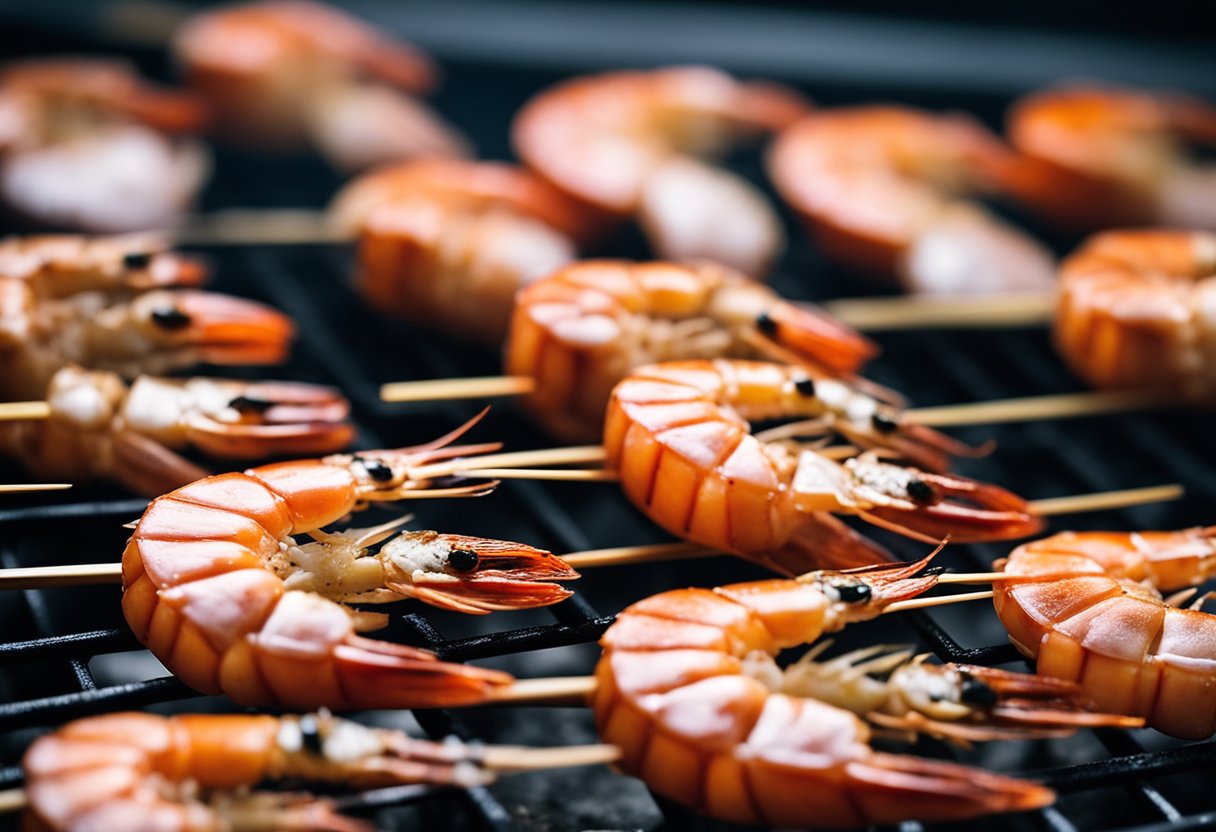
(86, 144)
(1137, 309)
(581, 330)
(679, 438)
(195, 772)
(1106, 157)
(689, 690)
(448, 243)
(219, 588)
(291, 72)
(885, 190)
(1087, 606)
(148, 332)
(101, 428)
(634, 144)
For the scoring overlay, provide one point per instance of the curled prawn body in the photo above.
(688, 688)
(85, 143)
(1099, 157)
(636, 144)
(219, 588)
(289, 73)
(886, 190)
(147, 332)
(57, 266)
(678, 436)
(448, 243)
(195, 772)
(1137, 309)
(1087, 606)
(101, 428)
(582, 329)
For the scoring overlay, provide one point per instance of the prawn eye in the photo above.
(463, 560)
(137, 259)
(854, 593)
(975, 692)
(921, 491)
(249, 404)
(805, 387)
(766, 324)
(310, 734)
(170, 318)
(377, 470)
(883, 423)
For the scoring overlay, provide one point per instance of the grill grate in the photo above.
(67, 653)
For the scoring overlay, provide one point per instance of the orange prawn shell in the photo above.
(866, 180)
(1137, 309)
(598, 137)
(198, 593)
(672, 693)
(102, 772)
(1076, 613)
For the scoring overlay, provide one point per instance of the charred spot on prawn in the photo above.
(135, 260)
(310, 734)
(463, 560)
(171, 318)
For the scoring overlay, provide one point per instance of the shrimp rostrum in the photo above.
(195, 772)
(689, 690)
(1089, 608)
(219, 588)
(678, 435)
(99, 427)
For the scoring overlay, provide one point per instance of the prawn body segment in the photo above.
(1098, 157)
(1087, 606)
(217, 587)
(1137, 310)
(194, 772)
(637, 143)
(688, 688)
(885, 190)
(679, 437)
(580, 330)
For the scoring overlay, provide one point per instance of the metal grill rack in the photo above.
(66, 653)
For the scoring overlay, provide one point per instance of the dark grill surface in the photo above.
(67, 653)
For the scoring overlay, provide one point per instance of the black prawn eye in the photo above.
(921, 491)
(171, 318)
(249, 404)
(805, 387)
(884, 423)
(854, 593)
(463, 560)
(310, 734)
(377, 470)
(766, 324)
(137, 259)
(975, 692)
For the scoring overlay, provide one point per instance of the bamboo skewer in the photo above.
(512, 459)
(917, 312)
(23, 487)
(457, 388)
(42, 577)
(21, 411)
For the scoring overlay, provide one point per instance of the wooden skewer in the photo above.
(12, 800)
(23, 487)
(558, 474)
(457, 388)
(42, 577)
(21, 411)
(937, 601)
(1033, 408)
(920, 312)
(514, 459)
(239, 227)
(973, 577)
